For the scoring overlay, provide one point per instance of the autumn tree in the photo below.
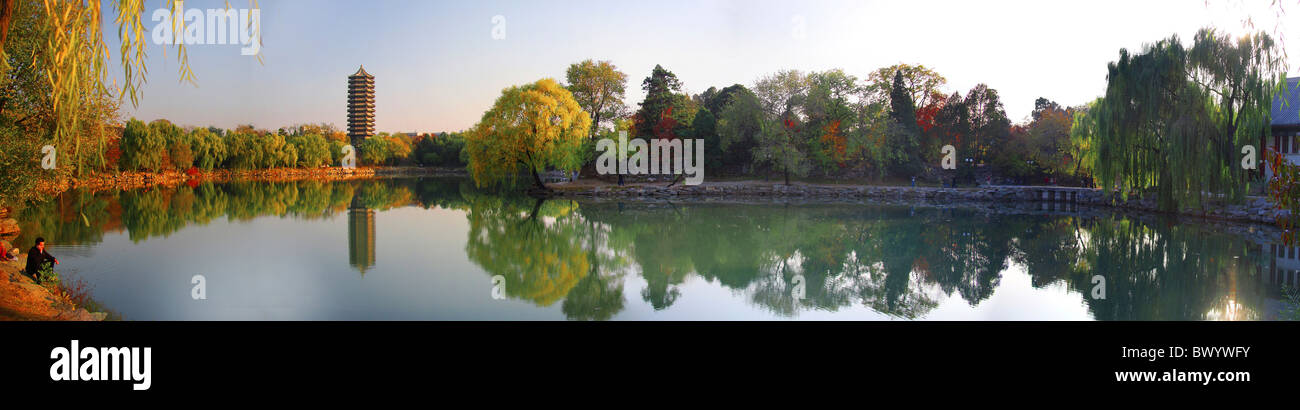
(830, 113)
(779, 144)
(1043, 104)
(988, 121)
(921, 83)
(72, 59)
(599, 88)
(662, 90)
(529, 128)
(27, 101)
(1048, 137)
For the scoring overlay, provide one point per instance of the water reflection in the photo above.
(361, 236)
(784, 260)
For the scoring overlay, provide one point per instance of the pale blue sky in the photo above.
(437, 66)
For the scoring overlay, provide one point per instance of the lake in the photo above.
(441, 249)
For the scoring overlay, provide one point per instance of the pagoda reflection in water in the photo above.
(361, 236)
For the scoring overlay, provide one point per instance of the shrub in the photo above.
(46, 277)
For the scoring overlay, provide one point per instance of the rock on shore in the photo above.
(8, 226)
(22, 299)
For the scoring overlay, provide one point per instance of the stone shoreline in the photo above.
(1255, 210)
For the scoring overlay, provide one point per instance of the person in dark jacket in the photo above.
(38, 258)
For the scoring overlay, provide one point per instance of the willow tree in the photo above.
(73, 59)
(540, 261)
(1175, 120)
(528, 129)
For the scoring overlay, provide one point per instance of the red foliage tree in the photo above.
(833, 140)
(925, 116)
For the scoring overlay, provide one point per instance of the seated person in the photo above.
(38, 259)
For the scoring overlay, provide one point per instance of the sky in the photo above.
(438, 65)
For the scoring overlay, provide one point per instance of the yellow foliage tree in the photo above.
(528, 129)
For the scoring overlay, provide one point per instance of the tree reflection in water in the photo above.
(899, 261)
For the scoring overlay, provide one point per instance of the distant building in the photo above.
(361, 106)
(1286, 124)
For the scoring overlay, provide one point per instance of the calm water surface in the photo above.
(441, 249)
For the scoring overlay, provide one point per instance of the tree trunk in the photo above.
(537, 207)
(675, 180)
(537, 180)
(787, 177)
(6, 17)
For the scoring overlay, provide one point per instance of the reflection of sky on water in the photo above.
(276, 268)
(654, 262)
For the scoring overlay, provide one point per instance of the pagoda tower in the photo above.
(361, 106)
